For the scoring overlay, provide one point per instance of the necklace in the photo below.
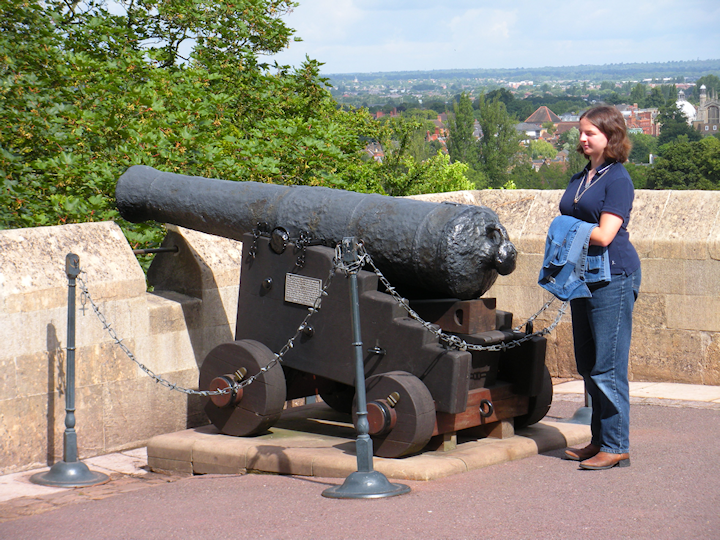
(598, 175)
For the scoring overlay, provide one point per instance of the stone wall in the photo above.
(118, 405)
(193, 309)
(676, 333)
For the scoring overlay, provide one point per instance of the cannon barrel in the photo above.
(445, 249)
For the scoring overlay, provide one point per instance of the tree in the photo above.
(499, 142)
(655, 99)
(638, 94)
(401, 173)
(86, 93)
(542, 149)
(503, 94)
(549, 127)
(461, 143)
(642, 146)
(673, 124)
(524, 176)
(711, 82)
(687, 164)
(553, 176)
(638, 174)
(436, 174)
(569, 139)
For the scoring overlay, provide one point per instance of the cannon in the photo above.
(441, 257)
(449, 249)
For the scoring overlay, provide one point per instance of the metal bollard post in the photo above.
(584, 414)
(365, 483)
(70, 472)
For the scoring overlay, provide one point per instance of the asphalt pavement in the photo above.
(671, 491)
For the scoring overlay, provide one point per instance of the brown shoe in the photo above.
(605, 460)
(581, 454)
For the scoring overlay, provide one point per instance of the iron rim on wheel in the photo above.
(251, 409)
(401, 412)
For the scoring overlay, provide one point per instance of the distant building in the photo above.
(707, 118)
(686, 107)
(380, 114)
(441, 125)
(542, 116)
(566, 125)
(529, 131)
(640, 120)
(375, 150)
(516, 85)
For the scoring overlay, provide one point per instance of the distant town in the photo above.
(678, 99)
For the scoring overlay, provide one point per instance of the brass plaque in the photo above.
(302, 289)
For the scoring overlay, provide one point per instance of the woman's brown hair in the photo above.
(611, 123)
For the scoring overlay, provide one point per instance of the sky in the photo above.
(361, 36)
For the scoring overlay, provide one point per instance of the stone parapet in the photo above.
(193, 308)
(169, 331)
(677, 316)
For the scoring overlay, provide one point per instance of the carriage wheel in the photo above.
(401, 413)
(539, 405)
(255, 407)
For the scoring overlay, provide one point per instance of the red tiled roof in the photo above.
(542, 115)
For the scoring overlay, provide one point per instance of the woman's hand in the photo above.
(605, 233)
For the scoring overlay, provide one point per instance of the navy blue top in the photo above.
(611, 191)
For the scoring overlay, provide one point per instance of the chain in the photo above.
(302, 242)
(354, 267)
(277, 357)
(453, 341)
(538, 313)
(260, 229)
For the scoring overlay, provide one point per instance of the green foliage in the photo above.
(461, 143)
(412, 166)
(84, 96)
(687, 164)
(549, 176)
(549, 127)
(638, 95)
(542, 149)
(434, 175)
(86, 93)
(655, 99)
(673, 124)
(712, 85)
(642, 146)
(499, 143)
(492, 156)
(638, 174)
(569, 139)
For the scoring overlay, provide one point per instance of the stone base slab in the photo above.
(314, 440)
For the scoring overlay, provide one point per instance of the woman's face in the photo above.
(593, 140)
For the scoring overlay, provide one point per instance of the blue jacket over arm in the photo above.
(567, 268)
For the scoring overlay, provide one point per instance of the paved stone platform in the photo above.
(670, 491)
(314, 440)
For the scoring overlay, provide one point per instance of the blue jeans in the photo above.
(602, 328)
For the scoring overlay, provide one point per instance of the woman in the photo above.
(602, 324)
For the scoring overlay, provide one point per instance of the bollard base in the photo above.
(582, 416)
(366, 485)
(73, 474)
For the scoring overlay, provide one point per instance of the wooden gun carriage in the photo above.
(440, 257)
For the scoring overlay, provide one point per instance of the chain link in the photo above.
(453, 341)
(364, 259)
(277, 357)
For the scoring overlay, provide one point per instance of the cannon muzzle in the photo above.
(443, 249)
